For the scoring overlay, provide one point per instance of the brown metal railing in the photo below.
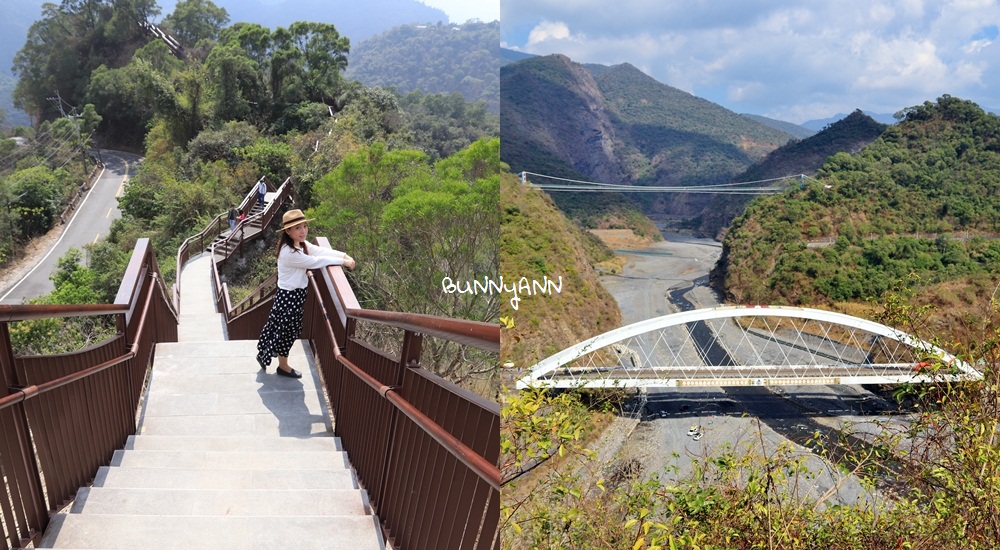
(425, 449)
(63, 416)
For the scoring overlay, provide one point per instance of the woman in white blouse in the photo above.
(295, 258)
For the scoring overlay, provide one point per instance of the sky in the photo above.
(792, 60)
(460, 11)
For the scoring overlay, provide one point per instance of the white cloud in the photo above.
(802, 59)
(546, 31)
(976, 46)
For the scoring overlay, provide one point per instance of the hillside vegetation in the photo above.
(797, 157)
(368, 166)
(920, 201)
(538, 241)
(437, 59)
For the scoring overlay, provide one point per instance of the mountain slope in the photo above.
(438, 59)
(819, 124)
(510, 56)
(662, 119)
(848, 135)
(794, 130)
(618, 125)
(918, 206)
(537, 241)
(554, 121)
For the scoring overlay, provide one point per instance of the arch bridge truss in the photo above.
(748, 346)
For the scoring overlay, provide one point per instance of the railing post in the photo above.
(6, 359)
(409, 358)
(23, 466)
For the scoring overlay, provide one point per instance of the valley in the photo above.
(671, 276)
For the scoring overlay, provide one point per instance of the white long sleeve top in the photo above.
(293, 264)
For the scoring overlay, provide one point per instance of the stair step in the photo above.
(288, 403)
(236, 460)
(251, 383)
(231, 443)
(112, 531)
(214, 502)
(201, 478)
(243, 425)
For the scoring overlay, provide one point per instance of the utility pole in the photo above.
(75, 117)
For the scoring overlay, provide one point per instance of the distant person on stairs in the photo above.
(234, 214)
(295, 258)
(261, 191)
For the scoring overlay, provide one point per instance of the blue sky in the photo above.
(790, 60)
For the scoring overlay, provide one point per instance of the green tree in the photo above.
(237, 88)
(39, 191)
(195, 20)
(355, 195)
(307, 63)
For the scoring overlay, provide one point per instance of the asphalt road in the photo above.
(90, 222)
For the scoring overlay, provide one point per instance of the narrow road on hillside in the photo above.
(88, 223)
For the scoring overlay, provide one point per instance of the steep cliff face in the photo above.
(618, 125)
(553, 114)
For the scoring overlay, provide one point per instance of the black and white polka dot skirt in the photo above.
(283, 325)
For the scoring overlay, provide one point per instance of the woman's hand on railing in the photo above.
(349, 262)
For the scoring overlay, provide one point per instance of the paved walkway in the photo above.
(227, 456)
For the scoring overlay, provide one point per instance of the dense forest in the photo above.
(408, 185)
(439, 58)
(920, 202)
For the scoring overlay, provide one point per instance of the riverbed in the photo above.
(672, 276)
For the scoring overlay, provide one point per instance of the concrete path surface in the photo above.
(226, 457)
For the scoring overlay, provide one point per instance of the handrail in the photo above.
(485, 336)
(35, 390)
(262, 220)
(395, 418)
(82, 403)
(461, 451)
(25, 312)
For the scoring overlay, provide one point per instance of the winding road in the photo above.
(90, 222)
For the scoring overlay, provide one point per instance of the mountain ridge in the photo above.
(618, 125)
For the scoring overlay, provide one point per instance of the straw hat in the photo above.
(292, 218)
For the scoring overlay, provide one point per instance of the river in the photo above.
(672, 276)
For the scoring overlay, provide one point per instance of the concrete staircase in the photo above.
(223, 249)
(227, 456)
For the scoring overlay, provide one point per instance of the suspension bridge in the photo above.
(769, 186)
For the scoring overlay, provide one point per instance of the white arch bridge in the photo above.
(748, 346)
